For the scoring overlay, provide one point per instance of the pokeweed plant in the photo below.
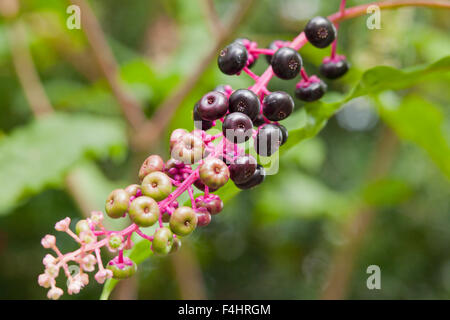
(202, 160)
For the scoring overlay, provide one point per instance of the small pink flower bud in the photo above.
(44, 280)
(83, 278)
(96, 217)
(102, 275)
(52, 271)
(54, 293)
(48, 260)
(88, 263)
(74, 287)
(48, 241)
(63, 225)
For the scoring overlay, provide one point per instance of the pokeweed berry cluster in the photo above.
(198, 159)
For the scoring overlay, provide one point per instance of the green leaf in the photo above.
(38, 155)
(386, 192)
(421, 123)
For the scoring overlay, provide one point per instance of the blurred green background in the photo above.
(372, 188)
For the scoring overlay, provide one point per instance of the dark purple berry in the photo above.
(311, 92)
(237, 127)
(244, 42)
(212, 106)
(286, 63)
(257, 178)
(199, 122)
(285, 134)
(212, 203)
(268, 139)
(272, 46)
(320, 32)
(259, 120)
(201, 186)
(278, 106)
(243, 168)
(232, 59)
(203, 217)
(221, 88)
(334, 69)
(245, 101)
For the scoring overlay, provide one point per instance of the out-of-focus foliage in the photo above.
(278, 240)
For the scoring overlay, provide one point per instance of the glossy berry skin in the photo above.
(257, 178)
(334, 69)
(212, 106)
(284, 132)
(286, 63)
(272, 46)
(189, 149)
(162, 241)
(245, 101)
(151, 164)
(117, 203)
(134, 190)
(183, 221)
(312, 92)
(268, 139)
(214, 173)
(242, 169)
(122, 270)
(278, 106)
(259, 120)
(199, 122)
(156, 185)
(201, 186)
(320, 32)
(242, 42)
(203, 217)
(144, 211)
(237, 127)
(212, 203)
(176, 135)
(232, 59)
(176, 245)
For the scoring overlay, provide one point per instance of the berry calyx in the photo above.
(212, 106)
(286, 63)
(320, 32)
(245, 101)
(183, 221)
(162, 241)
(117, 203)
(310, 90)
(334, 68)
(122, 270)
(212, 203)
(144, 211)
(232, 59)
(237, 127)
(242, 169)
(257, 178)
(278, 106)
(156, 185)
(268, 139)
(151, 164)
(189, 149)
(214, 173)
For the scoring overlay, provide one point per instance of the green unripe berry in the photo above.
(162, 241)
(122, 270)
(156, 185)
(117, 203)
(133, 189)
(115, 241)
(144, 211)
(183, 221)
(214, 173)
(81, 226)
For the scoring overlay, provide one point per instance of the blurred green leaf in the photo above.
(386, 192)
(421, 122)
(39, 154)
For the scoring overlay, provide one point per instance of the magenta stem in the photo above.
(262, 51)
(251, 74)
(304, 74)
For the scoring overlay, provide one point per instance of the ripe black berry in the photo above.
(245, 101)
(232, 59)
(334, 69)
(242, 169)
(243, 42)
(286, 63)
(268, 139)
(278, 106)
(256, 179)
(213, 105)
(320, 32)
(311, 91)
(237, 127)
(199, 122)
(259, 120)
(285, 134)
(272, 46)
